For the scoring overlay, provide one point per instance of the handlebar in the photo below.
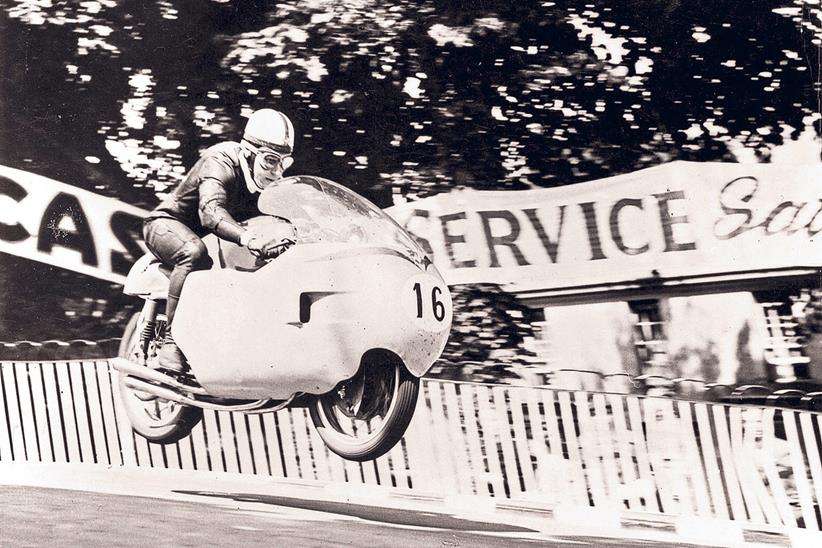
(271, 252)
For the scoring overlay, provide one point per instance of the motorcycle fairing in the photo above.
(303, 322)
(146, 279)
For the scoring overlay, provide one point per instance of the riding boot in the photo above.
(171, 357)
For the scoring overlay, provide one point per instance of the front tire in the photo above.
(156, 419)
(364, 417)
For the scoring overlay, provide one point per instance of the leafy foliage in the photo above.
(488, 336)
(401, 99)
(810, 321)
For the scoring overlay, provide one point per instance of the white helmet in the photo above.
(272, 129)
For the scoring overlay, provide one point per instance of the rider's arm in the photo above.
(213, 213)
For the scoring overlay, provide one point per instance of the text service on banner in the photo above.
(677, 220)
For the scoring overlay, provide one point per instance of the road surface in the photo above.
(36, 516)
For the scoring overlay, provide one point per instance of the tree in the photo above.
(405, 99)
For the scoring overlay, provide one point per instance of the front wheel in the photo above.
(156, 419)
(365, 416)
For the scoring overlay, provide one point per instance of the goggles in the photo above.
(271, 160)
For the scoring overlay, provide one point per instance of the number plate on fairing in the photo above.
(426, 301)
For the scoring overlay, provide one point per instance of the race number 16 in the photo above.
(437, 307)
(427, 302)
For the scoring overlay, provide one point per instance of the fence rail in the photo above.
(751, 464)
(807, 396)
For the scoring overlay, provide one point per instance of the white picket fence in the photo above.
(753, 465)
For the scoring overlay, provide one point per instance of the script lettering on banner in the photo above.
(48, 221)
(677, 221)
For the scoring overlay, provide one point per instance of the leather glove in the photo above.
(275, 248)
(252, 242)
(263, 249)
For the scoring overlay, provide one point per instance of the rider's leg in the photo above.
(179, 247)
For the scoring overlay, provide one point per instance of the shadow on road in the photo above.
(376, 514)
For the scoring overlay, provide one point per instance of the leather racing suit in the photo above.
(214, 197)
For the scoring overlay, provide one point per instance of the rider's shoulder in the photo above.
(229, 149)
(220, 161)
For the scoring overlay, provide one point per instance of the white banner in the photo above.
(671, 222)
(55, 223)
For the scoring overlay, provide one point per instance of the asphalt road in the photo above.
(56, 517)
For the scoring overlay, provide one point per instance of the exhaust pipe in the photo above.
(133, 370)
(168, 394)
(159, 391)
(136, 377)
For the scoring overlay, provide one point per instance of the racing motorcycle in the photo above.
(344, 322)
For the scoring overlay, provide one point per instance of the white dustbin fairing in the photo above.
(146, 279)
(354, 282)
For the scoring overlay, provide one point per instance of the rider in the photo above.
(218, 193)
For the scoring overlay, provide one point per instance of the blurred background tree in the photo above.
(396, 100)
(489, 337)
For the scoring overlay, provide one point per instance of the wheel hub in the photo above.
(363, 397)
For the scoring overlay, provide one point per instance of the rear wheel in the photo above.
(365, 416)
(156, 419)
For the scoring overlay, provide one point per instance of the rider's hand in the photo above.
(265, 249)
(252, 242)
(275, 248)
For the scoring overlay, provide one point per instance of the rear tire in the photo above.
(330, 421)
(157, 420)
